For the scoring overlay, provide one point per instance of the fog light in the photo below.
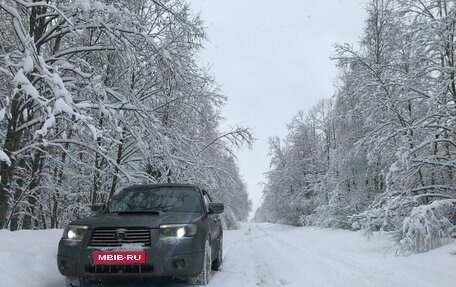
(179, 264)
(64, 265)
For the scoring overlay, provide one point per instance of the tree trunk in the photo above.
(116, 171)
(37, 166)
(12, 143)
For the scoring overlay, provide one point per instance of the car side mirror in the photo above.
(216, 208)
(96, 208)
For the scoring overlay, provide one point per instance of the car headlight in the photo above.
(75, 232)
(178, 230)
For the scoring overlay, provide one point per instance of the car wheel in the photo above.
(204, 276)
(75, 282)
(218, 262)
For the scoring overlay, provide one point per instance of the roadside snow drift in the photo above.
(259, 255)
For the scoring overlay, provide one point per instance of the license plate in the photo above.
(119, 257)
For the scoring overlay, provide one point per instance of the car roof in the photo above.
(154, 185)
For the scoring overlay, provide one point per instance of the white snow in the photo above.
(25, 114)
(49, 123)
(84, 105)
(61, 106)
(4, 157)
(27, 87)
(94, 131)
(2, 114)
(125, 246)
(60, 90)
(259, 255)
(27, 64)
(84, 5)
(167, 55)
(28, 258)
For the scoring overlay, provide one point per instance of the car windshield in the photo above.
(178, 199)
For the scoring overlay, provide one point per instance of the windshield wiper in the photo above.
(124, 212)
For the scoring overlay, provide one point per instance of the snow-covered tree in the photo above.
(97, 95)
(389, 136)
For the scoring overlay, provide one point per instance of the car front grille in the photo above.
(110, 237)
(119, 269)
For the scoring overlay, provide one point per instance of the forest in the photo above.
(379, 154)
(99, 95)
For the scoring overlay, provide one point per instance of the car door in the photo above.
(213, 219)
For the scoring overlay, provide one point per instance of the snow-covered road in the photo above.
(259, 255)
(278, 255)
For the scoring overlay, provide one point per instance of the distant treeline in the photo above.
(381, 153)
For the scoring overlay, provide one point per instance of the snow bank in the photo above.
(268, 255)
(427, 227)
(28, 258)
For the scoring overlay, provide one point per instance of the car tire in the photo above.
(78, 281)
(204, 276)
(218, 262)
(75, 282)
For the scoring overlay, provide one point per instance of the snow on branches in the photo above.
(383, 155)
(100, 94)
(427, 226)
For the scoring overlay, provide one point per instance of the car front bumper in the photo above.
(165, 257)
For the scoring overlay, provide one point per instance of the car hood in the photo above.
(136, 220)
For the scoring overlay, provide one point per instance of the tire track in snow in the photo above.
(243, 265)
(263, 272)
(363, 270)
(294, 264)
(315, 261)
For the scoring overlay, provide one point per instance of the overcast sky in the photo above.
(271, 59)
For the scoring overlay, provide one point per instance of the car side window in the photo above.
(206, 202)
